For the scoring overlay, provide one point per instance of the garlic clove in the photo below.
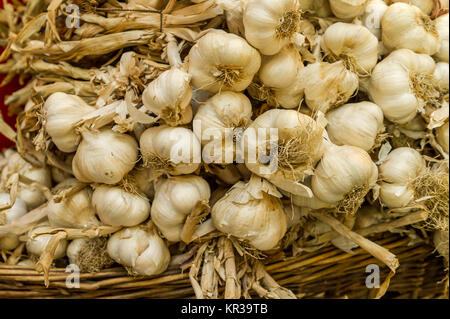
(348, 9)
(396, 195)
(401, 165)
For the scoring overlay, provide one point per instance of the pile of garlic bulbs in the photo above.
(236, 123)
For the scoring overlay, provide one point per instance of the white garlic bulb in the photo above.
(344, 176)
(62, 112)
(75, 211)
(425, 5)
(223, 61)
(270, 25)
(104, 156)
(169, 96)
(402, 83)
(352, 43)
(36, 244)
(170, 150)
(441, 76)
(218, 118)
(140, 250)
(405, 26)
(348, 9)
(287, 157)
(117, 207)
(442, 136)
(175, 199)
(18, 209)
(372, 16)
(356, 124)
(252, 212)
(442, 29)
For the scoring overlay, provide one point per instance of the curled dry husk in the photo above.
(7, 215)
(37, 244)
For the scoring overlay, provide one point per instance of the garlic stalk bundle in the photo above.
(36, 245)
(354, 44)
(140, 250)
(62, 113)
(442, 29)
(18, 209)
(405, 26)
(222, 61)
(74, 211)
(372, 16)
(425, 5)
(348, 9)
(326, 85)
(176, 201)
(283, 146)
(117, 207)
(89, 255)
(218, 118)
(170, 150)
(104, 156)
(252, 212)
(356, 124)
(270, 25)
(169, 96)
(343, 177)
(402, 84)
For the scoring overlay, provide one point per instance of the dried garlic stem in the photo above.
(232, 286)
(200, 211)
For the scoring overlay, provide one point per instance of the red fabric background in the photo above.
(6, 90)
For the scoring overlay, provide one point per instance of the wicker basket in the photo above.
(326, 273)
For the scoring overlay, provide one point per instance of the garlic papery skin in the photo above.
(270, 25)
(354, 44)
(18, 209)
(283, 146)
(442, 136)
(62, 112)
(221, 61)
(401, 165)
(406, 27)
(327, 85)
(356, 124)
(343, 177)
(89, 254)
(75, 211)
(402, 84)
(372, 16)
(252, 212)
(169, 97)
(36, 244)
(104, 156)
(218, 118)
(348, 9)
(170, 150)
(175, 199)
(442, 29)
(140, 250)
(425, 5)
(117, 207)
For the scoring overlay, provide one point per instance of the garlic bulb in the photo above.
(348, 9)
(218, 118)
(357, 124)
(175, 199)
(104, 156)
(270, 25)
(343, 177)
(18, 209)
(327, 85)
(354, 44)
(425, 5)
(222, 61)
(117, 207)
(37, 245)
(402, 84)
(89, 255)
(442, 136)
(320, 8)
(75, 211)
(441, 76)
(169, 96)
(252, 212)
(140, 250)
(62, 112)
(405, 26)
(293, 151)
(442, 29)
(170, 150)
(372, 16)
